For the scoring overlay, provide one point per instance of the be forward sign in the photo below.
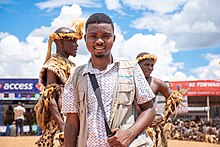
(197, 88)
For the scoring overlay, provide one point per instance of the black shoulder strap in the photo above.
(97, 91)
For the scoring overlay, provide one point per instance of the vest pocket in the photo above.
(124, 94)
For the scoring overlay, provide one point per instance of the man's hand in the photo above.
(122, 138)
(157, 120)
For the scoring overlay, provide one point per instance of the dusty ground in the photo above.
(28, 141)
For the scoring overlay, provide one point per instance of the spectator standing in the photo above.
(9, 115)
(9, 118)
(19, 117)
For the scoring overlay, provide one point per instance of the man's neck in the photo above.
(149, 79)
(101, 63)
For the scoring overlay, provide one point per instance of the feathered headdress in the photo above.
(78, 34)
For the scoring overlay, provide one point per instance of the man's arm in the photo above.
(144, 119)
(71, 130)
(53, 107)
(69, 108)
(125, 137)
(173, 100)
(163, 88)
(166, 92)
(56, 114)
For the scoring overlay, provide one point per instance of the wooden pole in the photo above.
(208, 111)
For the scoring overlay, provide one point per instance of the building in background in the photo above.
(12, 91)
(201, 99)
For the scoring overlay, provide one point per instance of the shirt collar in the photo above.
(90, 69)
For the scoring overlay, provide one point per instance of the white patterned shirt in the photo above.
(106, 80)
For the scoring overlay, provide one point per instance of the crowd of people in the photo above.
(193, 130)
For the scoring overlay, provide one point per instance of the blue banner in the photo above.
(19, 86)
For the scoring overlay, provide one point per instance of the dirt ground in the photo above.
(28, 141)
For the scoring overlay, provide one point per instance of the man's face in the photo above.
(99, 39)
(147, 66)
(70, 47)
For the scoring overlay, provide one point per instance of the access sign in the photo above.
(19, 86)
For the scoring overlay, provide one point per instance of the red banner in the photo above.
(197, 88)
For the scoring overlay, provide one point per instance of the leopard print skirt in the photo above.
(52, 137)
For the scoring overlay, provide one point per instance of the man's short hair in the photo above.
(98, 18)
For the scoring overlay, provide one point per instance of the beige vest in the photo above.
(123, 113)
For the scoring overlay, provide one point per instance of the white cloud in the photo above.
(152, 22)
(80, 59)
(159, 6)
(3, 34)
(158, 45)
(212, 70)
(114, 5)
(15, 57)
(119, 41)
(34, 49)
(24, 59)
(197, 25)
(51, 4)
(67, 15)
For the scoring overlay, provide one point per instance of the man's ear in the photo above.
(114, 38)
(85, 37)
(62, 43)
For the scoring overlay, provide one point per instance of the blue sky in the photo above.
(183, 34)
